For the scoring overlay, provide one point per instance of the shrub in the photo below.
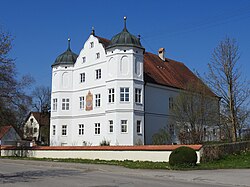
(183, 157)
(105, 143)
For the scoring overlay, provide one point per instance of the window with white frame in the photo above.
(83, 59)
(91, 44)
(55, 104)
(82, 77)
(97, 128)
(64, 130)
(111, 126)
(97, 55)
(138, 95)
(81, 129)
(53, 130)
(124, 94)
(138, 127)
(98, 73)
(81, 99)
(124, 126)
(97, 100)
(111, 98)
(171, 103)
(65, 104)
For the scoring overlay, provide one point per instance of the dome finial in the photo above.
(93, 31)
(125, 26)
(68, 43)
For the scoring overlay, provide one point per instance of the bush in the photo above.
(183, 157)
(105, 143)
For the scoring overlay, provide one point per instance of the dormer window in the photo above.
(91, 44)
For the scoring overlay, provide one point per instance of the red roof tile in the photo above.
(110, 148)
(4, 130)
(103, 41)
(167, 73)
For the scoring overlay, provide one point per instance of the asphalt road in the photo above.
(21, 173)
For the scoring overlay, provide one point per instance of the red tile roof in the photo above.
(167, 73)
(4, 130)
(110, 148)
(103, 41)
(170, 73)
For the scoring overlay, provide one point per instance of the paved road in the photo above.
(20, 173)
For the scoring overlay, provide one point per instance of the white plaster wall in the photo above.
(115, 73)
(156, 109)
(154, 156)
(30, 125)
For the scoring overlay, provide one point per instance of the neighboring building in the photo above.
(8, 135)
(113, 91)
(36, 127)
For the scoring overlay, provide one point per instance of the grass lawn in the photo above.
(229, 162)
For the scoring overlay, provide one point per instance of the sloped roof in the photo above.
(4, 130)
(169, 73)
(42, 118)
(103, 41)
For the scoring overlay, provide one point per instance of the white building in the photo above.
(114, 91)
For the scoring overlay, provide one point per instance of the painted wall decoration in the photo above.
(89, 101)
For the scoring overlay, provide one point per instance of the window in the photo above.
(138, 95)
(97, 128)
(171, 102)
(65, 104)
(138, 127)
(53, 130)
(111, 98)
(64, 130)
(124, 128)
(81, 129)
(111, 126)
(35, 130)
(83, 59)
(81, 102)
(82, 77)
(91, 44)
(97, 55)
(54, 104)
(98, 73)
(97, 100)
(124, 94)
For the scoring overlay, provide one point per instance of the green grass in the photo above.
(241, 161)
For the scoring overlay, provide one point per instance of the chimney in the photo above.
(161, 53)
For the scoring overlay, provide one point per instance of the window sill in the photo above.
(139, 104)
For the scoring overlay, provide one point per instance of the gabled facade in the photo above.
(36, 127)
(8, 135)
(113, 91)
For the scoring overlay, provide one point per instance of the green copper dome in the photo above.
(126, 39)
(66, 58)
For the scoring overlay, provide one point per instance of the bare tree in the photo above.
(41, 98)
(225, 78)
(13, 99)
(195, 109)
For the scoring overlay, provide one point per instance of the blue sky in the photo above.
(189, 30)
